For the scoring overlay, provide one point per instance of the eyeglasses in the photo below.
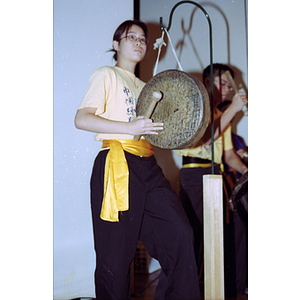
(132, 38)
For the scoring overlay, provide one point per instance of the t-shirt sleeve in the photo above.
(95, 93)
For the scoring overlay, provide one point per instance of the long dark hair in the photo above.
(124, 27)
(218, 70)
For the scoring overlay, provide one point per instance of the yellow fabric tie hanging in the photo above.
(116, 175)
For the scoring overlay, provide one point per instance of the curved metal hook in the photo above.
(173, 9)
(211, 65)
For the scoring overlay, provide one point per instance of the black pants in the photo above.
(240, 218)
(191, 180)
(157, 218)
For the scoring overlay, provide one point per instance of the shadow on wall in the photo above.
(186, 33)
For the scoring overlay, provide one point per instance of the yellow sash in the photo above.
(116, 175)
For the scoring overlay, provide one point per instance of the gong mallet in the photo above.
(245, 109)
(156, 97)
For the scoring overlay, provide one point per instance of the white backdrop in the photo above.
(83, 32)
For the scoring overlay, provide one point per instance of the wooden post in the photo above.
(213, 237)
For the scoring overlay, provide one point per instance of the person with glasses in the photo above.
(130, 197)
(197, 160)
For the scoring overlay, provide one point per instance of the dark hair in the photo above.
(124, 27)
(218, 70)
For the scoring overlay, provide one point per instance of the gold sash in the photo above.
(116, 175)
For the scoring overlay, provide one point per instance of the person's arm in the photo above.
(86, 119)
(220, 123)
(233, 161)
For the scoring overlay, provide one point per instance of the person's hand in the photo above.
(141, 126)
(239, 100)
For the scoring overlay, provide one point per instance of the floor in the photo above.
(145, 285)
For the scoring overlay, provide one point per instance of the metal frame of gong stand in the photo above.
(211, 67)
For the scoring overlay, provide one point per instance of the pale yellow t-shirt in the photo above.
(114, 96)
(222, 143)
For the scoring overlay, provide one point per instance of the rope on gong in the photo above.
(158, 44)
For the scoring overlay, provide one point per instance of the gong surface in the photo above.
(184, 109)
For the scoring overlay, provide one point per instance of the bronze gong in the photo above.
(184, 109)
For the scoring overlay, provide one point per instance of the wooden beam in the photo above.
(213, 237)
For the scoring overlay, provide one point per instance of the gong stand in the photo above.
(212, 200)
